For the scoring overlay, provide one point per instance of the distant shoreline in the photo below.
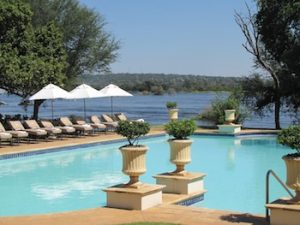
(159, 84)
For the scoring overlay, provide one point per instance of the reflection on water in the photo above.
(82, 186)
(231, 152)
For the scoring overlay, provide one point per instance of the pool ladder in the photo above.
(271, 172)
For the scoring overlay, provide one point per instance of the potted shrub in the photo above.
(173, 111)
(180, 145)
(291, 137)
(133, 154)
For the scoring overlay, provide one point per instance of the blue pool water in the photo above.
(72, 180)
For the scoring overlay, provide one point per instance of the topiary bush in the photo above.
(171, 105)
(133, 130)
(290, 137)
(181, 129)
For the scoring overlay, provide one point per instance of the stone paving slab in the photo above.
(164, 213)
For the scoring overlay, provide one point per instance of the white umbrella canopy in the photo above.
(52, 92)
(84, 91)
(111, 91)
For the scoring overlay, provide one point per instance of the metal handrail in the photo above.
(271, 172)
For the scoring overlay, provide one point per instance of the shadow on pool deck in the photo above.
(244, 218)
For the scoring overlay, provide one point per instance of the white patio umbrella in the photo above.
(84, 91)
(111, 91)
(52, 92)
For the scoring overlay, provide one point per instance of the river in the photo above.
(149, 107)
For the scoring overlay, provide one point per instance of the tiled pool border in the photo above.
(68, 148)
(106, 142)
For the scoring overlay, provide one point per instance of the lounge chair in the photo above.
(5, 136)
(65, 130)
(65, 121)
(32, 124)
(123, 117)
(107, 120)
(96, 126)
(18, 135)
(35, 133)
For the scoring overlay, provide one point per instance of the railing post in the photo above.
(267, 195)
(271, 172)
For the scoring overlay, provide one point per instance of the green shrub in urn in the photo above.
(133, 130)
(290, 137)
(181, 129)
(171, 105)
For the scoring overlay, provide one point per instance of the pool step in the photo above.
(141, 198)
(282, 211)
(190, 183)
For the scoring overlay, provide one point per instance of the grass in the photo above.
(150, 223)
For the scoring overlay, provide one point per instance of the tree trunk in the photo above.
(277, 111)
(37, 104)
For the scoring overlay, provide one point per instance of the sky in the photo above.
(198, 37)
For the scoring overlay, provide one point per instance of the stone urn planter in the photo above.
(180, 154)
(173, 114)
(134, 162)
(180, 145)
(172, 110)
(291, 138)
(293, 175)
(134, 155)
(229, 116)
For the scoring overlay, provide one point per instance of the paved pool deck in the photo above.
(107, 216)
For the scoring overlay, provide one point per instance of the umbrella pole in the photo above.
(52, 108)
(111, 105)
(84, 109)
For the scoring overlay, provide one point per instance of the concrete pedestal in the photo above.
(144, 197)
(229, 128)
(282, 212)
(178, 184)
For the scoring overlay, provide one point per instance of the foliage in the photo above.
(30, 58)
(216, 112)
(133, 130)
(171, 105)
(163, 83)
(181, 129)
(290, 137)
(89, 47)
(279, 25)
(258, 93)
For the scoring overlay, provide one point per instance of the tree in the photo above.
(278, 23)
(257, 93)
(29, 58)
(89, 47)
(262, 59)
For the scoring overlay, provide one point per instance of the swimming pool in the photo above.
(72, 180)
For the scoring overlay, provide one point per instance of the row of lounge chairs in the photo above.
(31, 129)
